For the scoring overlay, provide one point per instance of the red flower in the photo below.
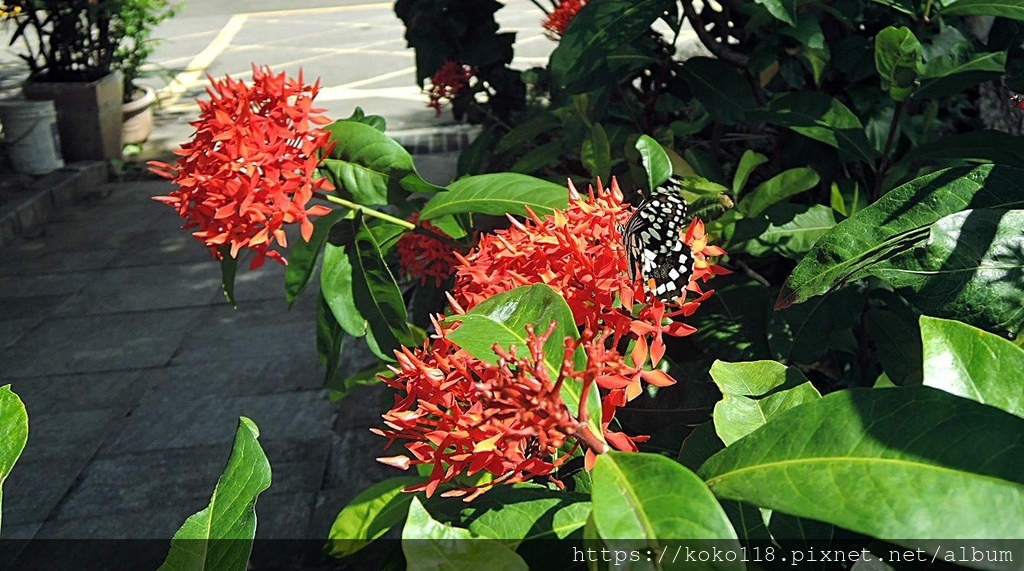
(558, 21)
(1017, 100)
(423, 256)
(449, 396)
(251, 164)
(449, 81)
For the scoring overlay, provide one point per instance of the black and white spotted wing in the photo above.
(653, 237)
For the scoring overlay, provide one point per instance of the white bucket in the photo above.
(30, 135)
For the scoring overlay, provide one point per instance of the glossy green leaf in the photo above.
(13, 432)
(972, 363)
(647, 500)
(896, 222)
(734, 321)
(517, 513)
(375, 292)
(950, 75)
(897, 339)
(598, 45)
(753, 393)
(336, 289)
(783, 10)
(656, 161)
(340, 386)
(368, 166)
(803, 333)
(748, 162)
(983, 146)
(430, 545)
(969, 268)
(596, 154)
(822, 118)
(497, 194)
(303, 255)
(899, 61)
(538, 157)
(719, 88)
(201, 543)
(528, 132)
(1011, 9)
(375, 121)
(502, 319)
(370, 515)
(898, 464)
(789, 230)
(701, 444)
(776, 189)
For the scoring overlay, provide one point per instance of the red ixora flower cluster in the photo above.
(249, 168)
(423, 256)
(448, 82)
(558, 20)
(462, 415)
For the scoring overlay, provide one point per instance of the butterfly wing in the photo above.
(653, 238)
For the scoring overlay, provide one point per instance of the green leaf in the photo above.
(596, 155)
(529, 131)
(968, 362)
(649, 500)
(970, 268)
(719, 88)
(13, 432)
(336, 289)
(777, 189)
(899, 61)
(375, 121)
(376, 293)
(984, 146)
(656, 161)
(803, 333)
(782, 10)
(200, 542)
(368, 166)
(748, 162)
(753, 393)
(370, 515)
(599, 44)
(521, 512)
(497, 194)
(822, 118)
(948, 75)
(430, 545)
(891, 463)
(897, 339)
(897, 221)
(303, 255)
(788, 230)
(367, 377)
(329, 339)
(539, 157)
(1011, 9)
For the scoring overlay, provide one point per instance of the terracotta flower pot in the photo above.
(138, 117)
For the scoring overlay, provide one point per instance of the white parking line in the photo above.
(170, 95)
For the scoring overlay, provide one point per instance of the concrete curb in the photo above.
(47, 195)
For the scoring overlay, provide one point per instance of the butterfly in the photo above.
(653, 237)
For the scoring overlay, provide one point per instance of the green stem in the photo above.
(367, 211)
(884, 164)
(927, 11)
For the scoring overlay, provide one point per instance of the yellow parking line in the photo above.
(170, 95)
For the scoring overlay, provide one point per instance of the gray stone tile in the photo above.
(14, 287)
(29, 258)
(69, 393)
(162, 247)
(363, 406)
(259, 330)
(161, 478)
(13, 329)
(187, 420)
(98, 343)
(35, 307)
(72, 435)
(33, 489)
(233, 377)
(353, 464)
(156, 523)
(284, 516)
(146, 288)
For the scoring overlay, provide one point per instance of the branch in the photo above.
(719, 50)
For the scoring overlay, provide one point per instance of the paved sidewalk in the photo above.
(132, 366)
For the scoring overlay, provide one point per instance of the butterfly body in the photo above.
(653, 237)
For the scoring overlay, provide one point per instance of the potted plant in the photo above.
(133, 28)
(69, 48)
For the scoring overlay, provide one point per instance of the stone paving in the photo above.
(134, 368)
